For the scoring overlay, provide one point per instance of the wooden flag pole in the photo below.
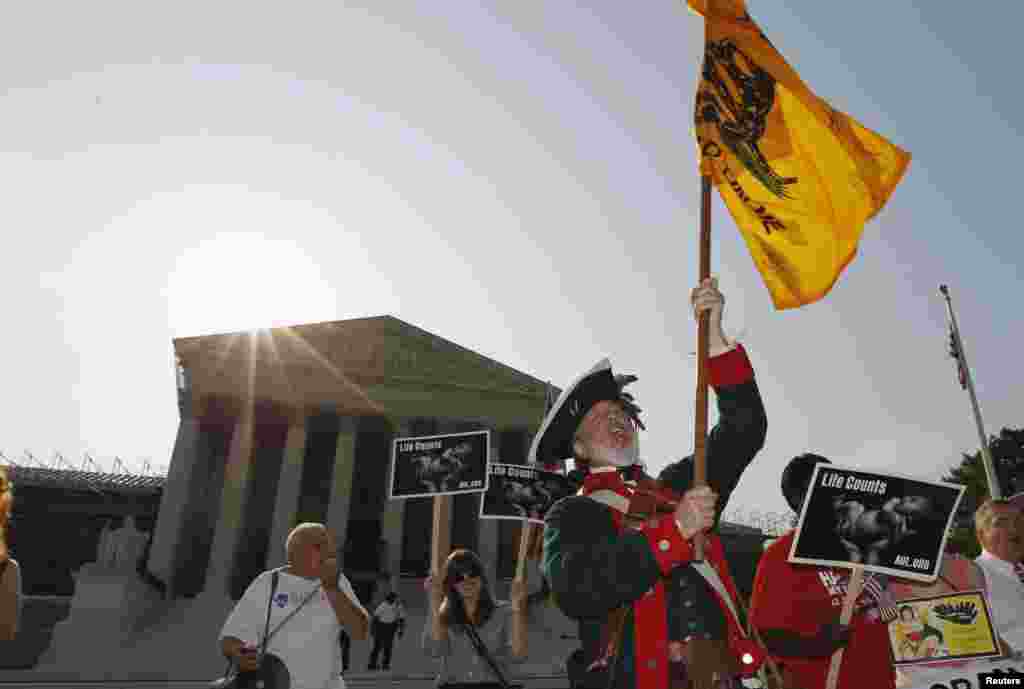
(707, 660)
(700, 426)
(852, 593)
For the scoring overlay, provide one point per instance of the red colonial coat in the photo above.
(594, 564)
(650, 615)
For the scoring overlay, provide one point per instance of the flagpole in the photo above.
(994, 488)
(700, 426)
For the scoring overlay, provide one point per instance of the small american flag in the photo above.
(954, 351)
(875, 586)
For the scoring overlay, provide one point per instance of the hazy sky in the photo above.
(518, 177)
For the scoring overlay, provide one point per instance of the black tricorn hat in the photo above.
(553, 442)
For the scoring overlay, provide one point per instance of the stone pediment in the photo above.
(341, 363)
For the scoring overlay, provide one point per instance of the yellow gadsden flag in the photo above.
(799, 177)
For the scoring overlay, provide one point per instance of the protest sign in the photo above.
(522, 492)
(939, 629)
(439, 465)
(885, 523)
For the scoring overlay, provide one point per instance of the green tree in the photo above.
(1007, 450)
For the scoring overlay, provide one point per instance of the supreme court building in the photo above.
(296, 424)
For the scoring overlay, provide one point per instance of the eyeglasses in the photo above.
(459, 577)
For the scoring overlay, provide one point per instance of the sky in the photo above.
(519, 178)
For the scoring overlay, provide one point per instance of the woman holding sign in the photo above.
(468, 631)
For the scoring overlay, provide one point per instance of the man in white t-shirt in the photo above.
(1000, 528)
(388, 619)
(308, 641)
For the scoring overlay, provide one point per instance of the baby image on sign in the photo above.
(884, 522)
(439, 465)
(522, 492)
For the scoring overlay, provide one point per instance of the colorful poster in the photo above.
(940, 629)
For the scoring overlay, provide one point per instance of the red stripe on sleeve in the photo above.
(731, 368)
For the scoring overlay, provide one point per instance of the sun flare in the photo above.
(238, 281)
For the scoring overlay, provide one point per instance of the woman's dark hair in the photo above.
(904, 609)
(453, 612)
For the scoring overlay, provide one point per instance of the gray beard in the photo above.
(613, 456)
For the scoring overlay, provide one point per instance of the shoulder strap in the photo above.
(274, 577)
(309, 597)
(704, 568)
(484, 653)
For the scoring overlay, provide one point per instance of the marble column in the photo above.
(488, 535)
(174, 501)
(289, 487)
(341, 479)
(232, 506)
(391, 519)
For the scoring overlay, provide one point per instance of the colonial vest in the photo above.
(693, 610)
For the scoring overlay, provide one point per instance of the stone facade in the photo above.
(296, 424)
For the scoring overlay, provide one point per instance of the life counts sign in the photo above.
(522, 492)
(439, 465)
(887, 523)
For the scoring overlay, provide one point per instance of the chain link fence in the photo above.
(772, 524)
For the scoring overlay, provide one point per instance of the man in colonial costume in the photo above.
(642, 601)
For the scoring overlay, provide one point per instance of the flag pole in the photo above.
(700, 426)
(704, 658)
(986, 457)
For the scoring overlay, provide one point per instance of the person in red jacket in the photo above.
(796, 609)
(644, 605)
